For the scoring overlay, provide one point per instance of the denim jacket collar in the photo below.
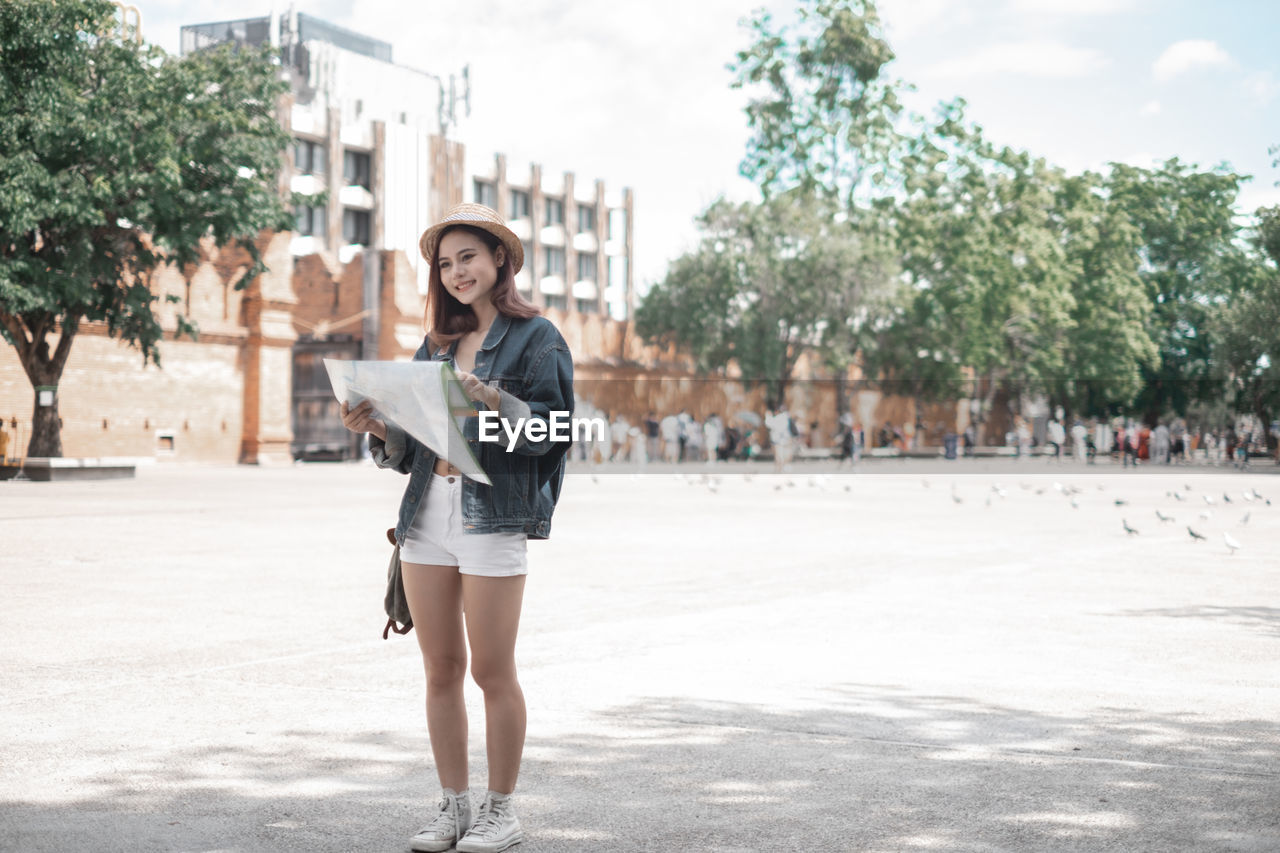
(497, 331)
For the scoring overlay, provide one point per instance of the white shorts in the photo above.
(437, 538)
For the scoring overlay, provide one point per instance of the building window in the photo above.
(618, 273)
(555, 260)
(586, 266)
(310, 221)
(486, 194)
(617, 224)
(528, 254)
(308, 157)
(586, 219)
(519, 205)
(356, 169)
(355, 226)
(556, 300)
(555, 212)
(586, 306)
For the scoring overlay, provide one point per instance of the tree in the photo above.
(757, 289)
(1110, 342)
(1190, 260)
(982, 250)
(822, 113)
(115, 158)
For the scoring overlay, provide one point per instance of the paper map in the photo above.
(423, 398)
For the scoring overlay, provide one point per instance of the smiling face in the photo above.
(468, 268)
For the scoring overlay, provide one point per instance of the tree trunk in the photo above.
(44, 371)
(46, 429)
(842, 396)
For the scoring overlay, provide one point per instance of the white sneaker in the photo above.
(496, 827)
(450, 823)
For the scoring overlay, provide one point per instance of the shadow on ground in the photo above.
(875, 768)
(1265, 620)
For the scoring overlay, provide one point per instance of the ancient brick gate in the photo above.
(318, 433)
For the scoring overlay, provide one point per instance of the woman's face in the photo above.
(468, 270)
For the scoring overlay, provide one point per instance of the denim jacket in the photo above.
(529, 362)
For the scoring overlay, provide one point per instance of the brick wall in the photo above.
(111, 406)
(228, 398)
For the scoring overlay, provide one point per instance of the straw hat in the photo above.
(477, 216)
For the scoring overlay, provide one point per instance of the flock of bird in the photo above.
(714, 482)
(1251, 496)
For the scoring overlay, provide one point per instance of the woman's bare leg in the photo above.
(434, 594)
(492, 606)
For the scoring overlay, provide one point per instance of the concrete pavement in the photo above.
(901, 659)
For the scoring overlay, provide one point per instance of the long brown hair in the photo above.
(446, 319)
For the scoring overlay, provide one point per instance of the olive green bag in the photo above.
(398, 618)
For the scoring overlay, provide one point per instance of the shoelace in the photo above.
(488, 822)
(445, 822)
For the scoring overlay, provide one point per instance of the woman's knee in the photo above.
(494, 676)
(445, 672)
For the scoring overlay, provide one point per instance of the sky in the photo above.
(637, 93)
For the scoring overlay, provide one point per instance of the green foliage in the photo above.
(1191, 261)
(115, 158)
(766, 281)
(1246, 345)
(823, 115)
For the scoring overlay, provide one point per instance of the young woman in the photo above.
(462, 543)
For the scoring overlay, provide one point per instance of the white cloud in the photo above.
(1183, 56)
(1150, 108)
(1032, 58)
(1262, 87)
(1140, 159)
(904, 19)
(1075, 8)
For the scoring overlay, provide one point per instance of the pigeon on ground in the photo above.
(1232, 544)
(1121, 501)
(1195, 535)
(1207, 499)
(1075, 504)
(1248, 497)
(1127, 529)
(1178, 496)
(1206, 515)
(1245, 520)
(1257, 494)
(1163, 518)
(956, 498)
(1226, 498)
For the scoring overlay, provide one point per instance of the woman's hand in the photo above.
(361, 419)
(478, 391)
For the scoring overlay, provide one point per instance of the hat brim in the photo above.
(430, 239)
